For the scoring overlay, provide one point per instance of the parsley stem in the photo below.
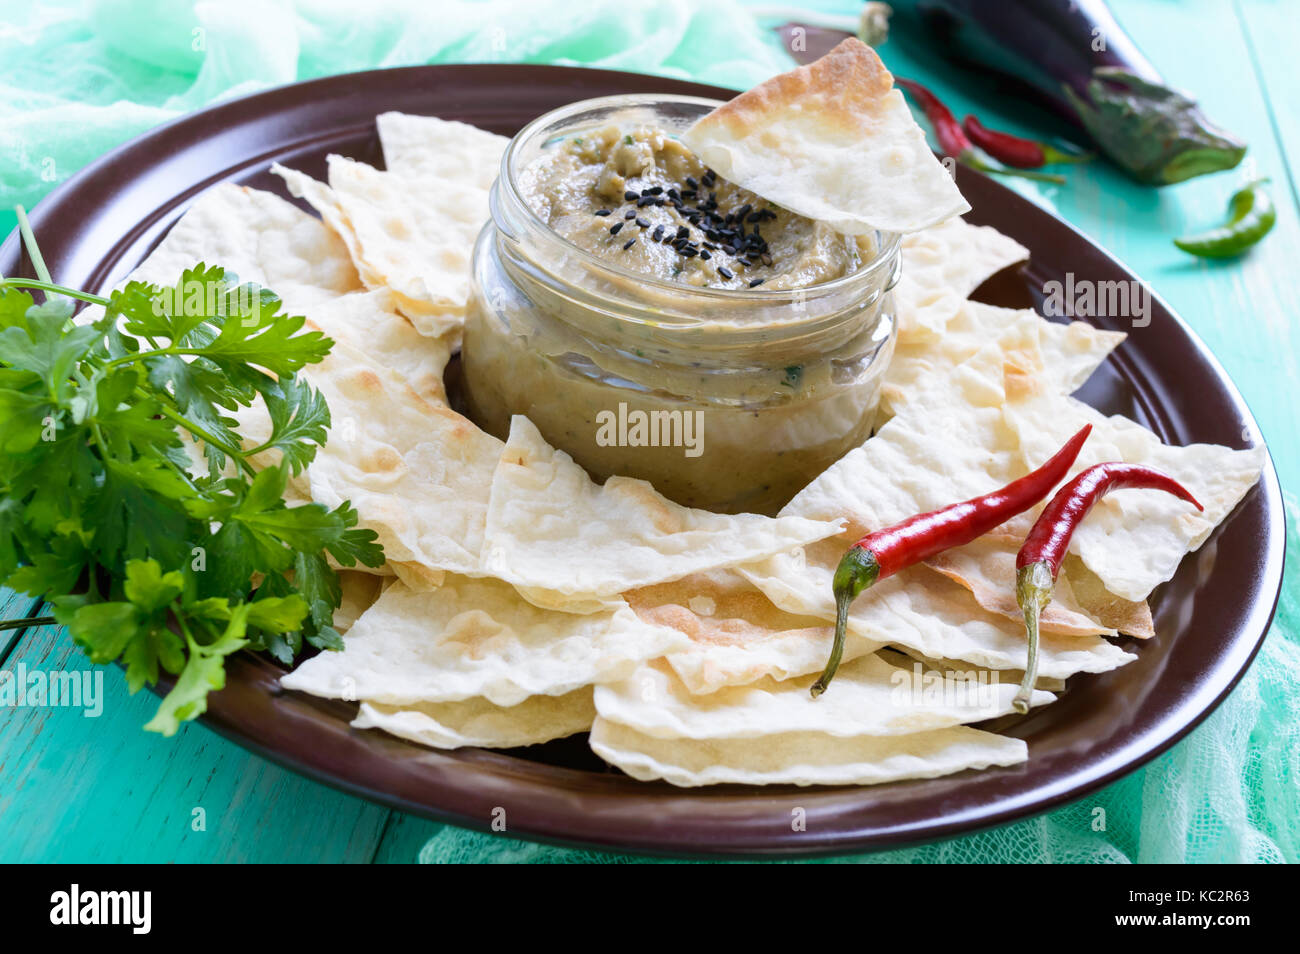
(155, 353)
(33, 251)
(201, 433)
(26, 621)
(52, 288)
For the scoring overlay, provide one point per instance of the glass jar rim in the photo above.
(884, 259)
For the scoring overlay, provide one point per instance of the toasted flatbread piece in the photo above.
(263, 239)
(941, 267)
(412, 235)
(426, 147)
(1060, 356)
(1134, 539)
(370, 323)
(360, 592)
(477, 638)
(477, 722)
(738, 636)
(562, 538)
(871, 697)
(987, 567)
(803, 758)
(833, 141)
(417, 473)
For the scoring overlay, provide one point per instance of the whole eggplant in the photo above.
(1074, 55)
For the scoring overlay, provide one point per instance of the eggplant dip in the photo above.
(641, 200)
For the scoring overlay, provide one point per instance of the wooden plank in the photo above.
(1272, 29)
(100, 789)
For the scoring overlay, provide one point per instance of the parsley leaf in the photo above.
(146, 559)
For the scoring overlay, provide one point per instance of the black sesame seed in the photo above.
(704, 254)
(658, 233)
(690, 182)
(614, 229)
(630, 195)
(726, 273)
(602, 212)
(629, 214)
(683, 232)
(644, 223)
(628, 244)
(756, 282)
(645, 200)
(654, 190)
(743, 211)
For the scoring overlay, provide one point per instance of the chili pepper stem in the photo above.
(1053, 156)
(1033, 593)
(975, 162)
(858, 569)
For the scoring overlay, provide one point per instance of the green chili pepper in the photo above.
(1251, 216)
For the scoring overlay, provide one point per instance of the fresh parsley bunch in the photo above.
(127, 495)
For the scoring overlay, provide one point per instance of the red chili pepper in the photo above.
(883, 553)
(1039, 561)
(953, 140)
(1015, 150)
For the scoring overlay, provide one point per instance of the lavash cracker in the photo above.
(564, 539)
(803, 758)
(940, 267)
(412, 234)
(418, 474)
(737, 635)
(987, 567)
(477, 722)
(1135, 539)
(872, 698)
(476, 638)
(426, 147)
(833, 141)
(261, 238)
(1062, 355)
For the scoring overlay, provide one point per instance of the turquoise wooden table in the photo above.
(75, 788)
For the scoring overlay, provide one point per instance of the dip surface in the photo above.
(611, 187)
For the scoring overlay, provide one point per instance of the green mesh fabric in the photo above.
(77, 78)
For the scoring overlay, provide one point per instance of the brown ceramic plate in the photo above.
(1210, 618)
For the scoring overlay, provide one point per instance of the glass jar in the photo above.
(730, 400)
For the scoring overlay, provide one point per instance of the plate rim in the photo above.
(1024, 804)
